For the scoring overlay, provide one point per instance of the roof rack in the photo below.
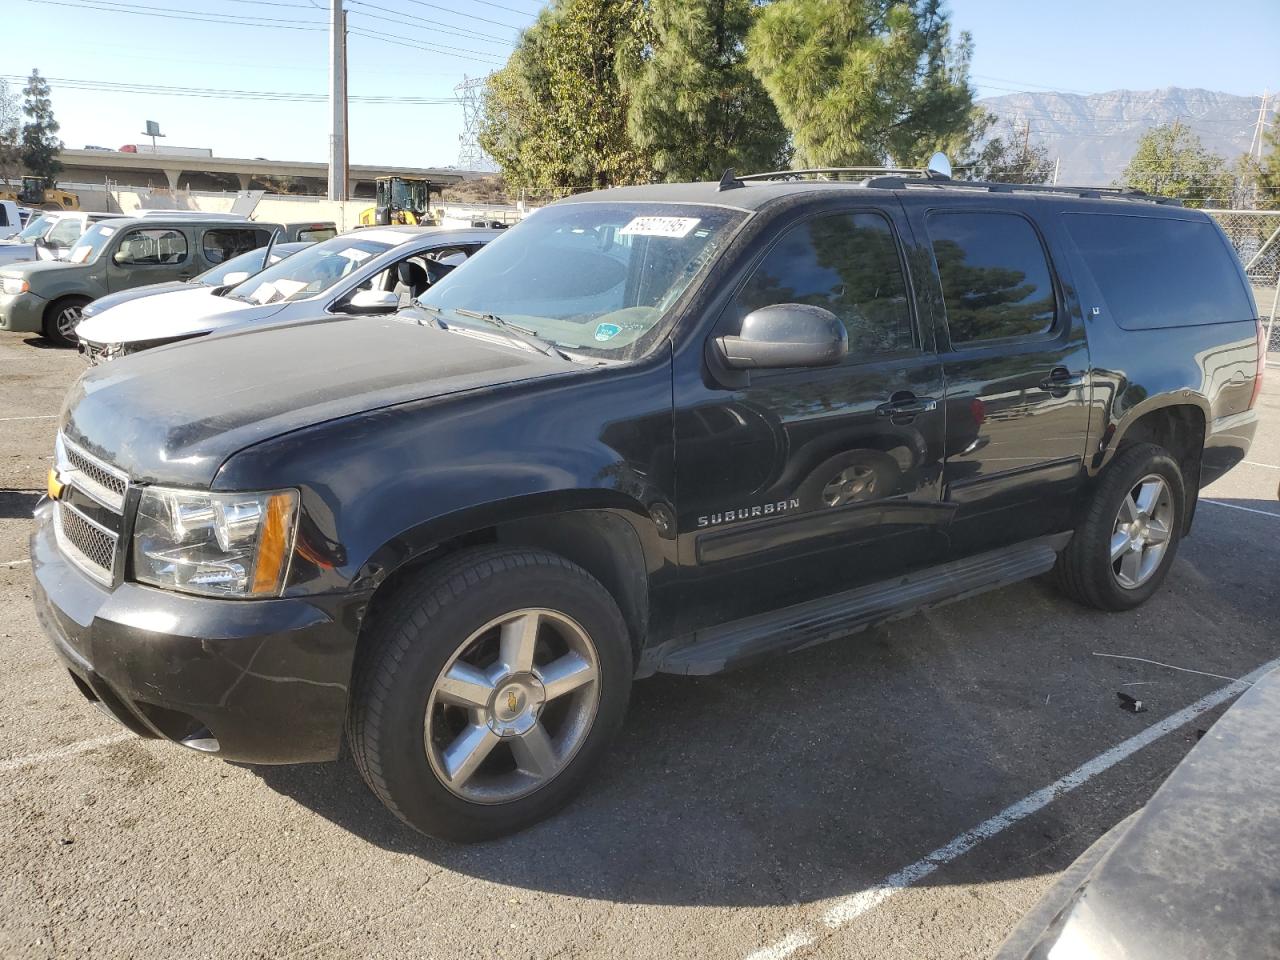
(833, 173)
(1088, 193)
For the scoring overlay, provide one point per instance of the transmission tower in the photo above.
(471, 95)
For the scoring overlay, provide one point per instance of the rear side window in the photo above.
(1160, 272)
(317, 233)
(224, 243)
(995, 277)
(847, 263)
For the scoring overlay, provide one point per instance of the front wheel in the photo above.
(488, 691)
(1125, 544)
(61, 319)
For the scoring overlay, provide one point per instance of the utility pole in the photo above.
(1259, 127)
(338, 102)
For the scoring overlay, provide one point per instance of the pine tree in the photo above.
(40, 143)
(555, 115)
(865, 81)
(695, 107)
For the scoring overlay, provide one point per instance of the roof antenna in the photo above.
(729, 180)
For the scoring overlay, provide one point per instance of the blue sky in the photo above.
(1085, 46)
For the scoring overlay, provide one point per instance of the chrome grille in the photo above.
(100, 481)
(83, 538)
(91, 546)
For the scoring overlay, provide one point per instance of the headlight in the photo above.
(220, 544)
(15, 285)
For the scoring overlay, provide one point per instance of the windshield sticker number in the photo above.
(659, 227)
(607, 331)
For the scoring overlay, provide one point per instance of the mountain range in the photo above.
(1094, 135)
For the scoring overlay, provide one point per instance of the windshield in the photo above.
(35, 227)
(591, 277)
(249, 263)
(65, 232)
(91, 243)
(310, 272)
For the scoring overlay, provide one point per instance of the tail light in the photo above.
(1262, 364)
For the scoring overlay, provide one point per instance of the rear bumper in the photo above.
(255, 681)
(22, 312)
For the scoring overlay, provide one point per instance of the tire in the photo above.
(1088, 570)
(404, 722)
(849, 477)
(57, 320)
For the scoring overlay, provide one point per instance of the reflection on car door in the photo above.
(809, 481)
(1017, 365)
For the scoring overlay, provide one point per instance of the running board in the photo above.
(740, 642)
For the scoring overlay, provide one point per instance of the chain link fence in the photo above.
(1256, 236)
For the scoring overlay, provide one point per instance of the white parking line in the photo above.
(850, 908)
(14, 563)
(1255, 463)
(84, 746)
(1236, 506)
(45, 416)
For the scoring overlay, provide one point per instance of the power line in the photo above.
(282, 96)
(169, 13)
(387, 38)
(469, 16)
(460, 31)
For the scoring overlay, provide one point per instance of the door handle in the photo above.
(906, 406)
(1060, 379)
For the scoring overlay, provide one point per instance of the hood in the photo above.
(16, 253)
(187, 312)
(34, 270)
(137, 293)
(175, 413)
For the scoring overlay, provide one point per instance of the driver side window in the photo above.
(847, 263)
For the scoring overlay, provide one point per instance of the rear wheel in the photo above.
(488, 692)
(61, 319)
(1126, 542)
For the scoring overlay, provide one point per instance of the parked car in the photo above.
(50, 236)
(229, 272)
(1194, 873)
(10, 219)
(458, 534)
(369, 272)
(119, 254)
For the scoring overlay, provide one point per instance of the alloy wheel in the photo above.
(512, 706)
(68, 320)
(1142, 530)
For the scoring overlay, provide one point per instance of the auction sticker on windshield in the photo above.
(659, 227)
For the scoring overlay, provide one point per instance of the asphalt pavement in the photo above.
(906, 793)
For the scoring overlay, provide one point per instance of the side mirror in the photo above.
(231, 279)
(371, 301)
(786, 335)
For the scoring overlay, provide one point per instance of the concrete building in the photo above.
(174, 172)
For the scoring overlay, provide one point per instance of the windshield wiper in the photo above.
(516, 332)
(428, 308)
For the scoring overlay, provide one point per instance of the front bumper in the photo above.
(259, 681)
(22, 312)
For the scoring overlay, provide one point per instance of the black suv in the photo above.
(671, 428)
